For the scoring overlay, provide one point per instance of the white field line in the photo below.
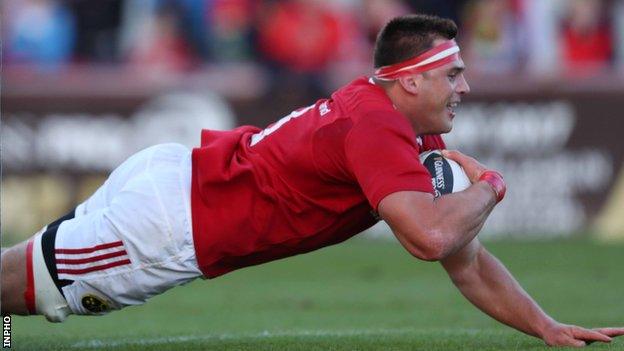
(96, 343)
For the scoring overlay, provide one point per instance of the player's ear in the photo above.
(410, 83)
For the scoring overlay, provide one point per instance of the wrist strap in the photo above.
(495, 180)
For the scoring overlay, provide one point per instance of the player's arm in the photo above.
(485, 282)
(432, 229)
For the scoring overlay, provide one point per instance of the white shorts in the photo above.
(132, 239)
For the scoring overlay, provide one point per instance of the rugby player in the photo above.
(317, 177)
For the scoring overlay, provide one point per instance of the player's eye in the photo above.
(451, 77)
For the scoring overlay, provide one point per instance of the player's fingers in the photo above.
(612, 332)
(454, 155)
(566, 341)
(472, 167)
(466, 162)
(578, 343)
(589, 335)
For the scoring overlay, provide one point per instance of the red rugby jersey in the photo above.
(310, 180)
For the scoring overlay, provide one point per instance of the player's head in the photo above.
(406, 37)
(419, 53)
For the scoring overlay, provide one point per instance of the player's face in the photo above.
(439, 94)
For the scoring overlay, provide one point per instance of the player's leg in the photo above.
(139, 246)
(27, 285)
(13, 280)
(22, 266)
(14, 276)
(123, 246)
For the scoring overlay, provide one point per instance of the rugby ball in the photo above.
(447, 176)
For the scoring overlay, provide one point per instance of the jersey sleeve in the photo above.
(382, 154)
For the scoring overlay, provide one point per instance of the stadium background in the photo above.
(87, 83)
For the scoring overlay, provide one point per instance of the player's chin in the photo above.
(447, 124)
(446, 130)
(442, 129)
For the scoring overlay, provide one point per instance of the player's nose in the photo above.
(462, 86)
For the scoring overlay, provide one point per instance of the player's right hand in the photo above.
(473, 168)
(571, 335)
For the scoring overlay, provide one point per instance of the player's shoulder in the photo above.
(367, 108)
(362, 96)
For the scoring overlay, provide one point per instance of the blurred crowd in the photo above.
(310, 38)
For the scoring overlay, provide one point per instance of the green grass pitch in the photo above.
(361, 295)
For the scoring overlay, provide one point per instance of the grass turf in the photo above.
(362, 295)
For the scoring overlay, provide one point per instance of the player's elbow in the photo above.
(429, 246)
(429, 255)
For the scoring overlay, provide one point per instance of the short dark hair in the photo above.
(409, 36)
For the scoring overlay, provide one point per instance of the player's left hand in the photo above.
(571, 335)
(473, 168)
(610, 332)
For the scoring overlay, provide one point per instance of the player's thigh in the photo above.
(123, 238)
(139, 246)
(132, 167)
(13, 279)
